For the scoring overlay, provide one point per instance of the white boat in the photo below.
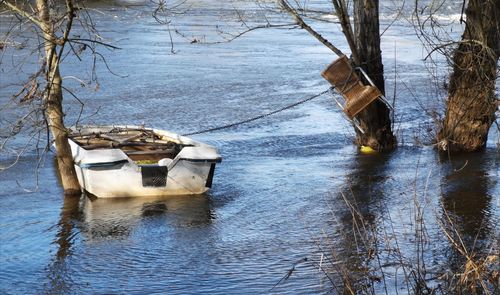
(127, 161)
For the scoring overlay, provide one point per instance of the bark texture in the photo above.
(375, 119)
(53, 103)
(471, 104)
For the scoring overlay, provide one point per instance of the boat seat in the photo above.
(154, 155)
(357, 96)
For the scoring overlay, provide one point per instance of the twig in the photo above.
(22, 13)
(306, 27)
(289, 272)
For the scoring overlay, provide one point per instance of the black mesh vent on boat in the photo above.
(154, 175)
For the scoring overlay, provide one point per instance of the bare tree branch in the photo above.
(341, 9)
(22, 13)
(306, 27)
(250, 29)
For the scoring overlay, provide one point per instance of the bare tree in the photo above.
(53, 47)
(471, 103)
(376, 117)
(364, 43)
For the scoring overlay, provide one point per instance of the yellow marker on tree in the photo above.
(366, 149)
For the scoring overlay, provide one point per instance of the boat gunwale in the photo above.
(175, 138)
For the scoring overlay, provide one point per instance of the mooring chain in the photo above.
(258, 117)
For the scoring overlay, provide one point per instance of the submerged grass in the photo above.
(421, 251)
(479, 272)
(373, 260)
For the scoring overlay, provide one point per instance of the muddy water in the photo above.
(279, 194)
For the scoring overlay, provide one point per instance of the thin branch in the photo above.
(82, 105)
(345, 23)
(83, 40)
(306, 27)
(400, 12)
(23, 13)
(465, 41)
(250, 29)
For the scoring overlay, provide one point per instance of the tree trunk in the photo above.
(471, 104)
(53, 104)
(374, 120)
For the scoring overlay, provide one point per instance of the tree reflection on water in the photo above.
(419, 231)
(467, 216)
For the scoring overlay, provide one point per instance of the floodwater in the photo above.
(278, 199)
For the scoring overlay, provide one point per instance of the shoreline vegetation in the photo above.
(397, 255)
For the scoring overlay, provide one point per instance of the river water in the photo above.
(279, 197)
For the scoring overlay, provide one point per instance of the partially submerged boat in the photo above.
(126, 161)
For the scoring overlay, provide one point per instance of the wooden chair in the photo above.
(357, 96)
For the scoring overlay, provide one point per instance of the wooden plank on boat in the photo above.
(112, 144)
(153, 152)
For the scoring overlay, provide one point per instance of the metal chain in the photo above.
(258, 117)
